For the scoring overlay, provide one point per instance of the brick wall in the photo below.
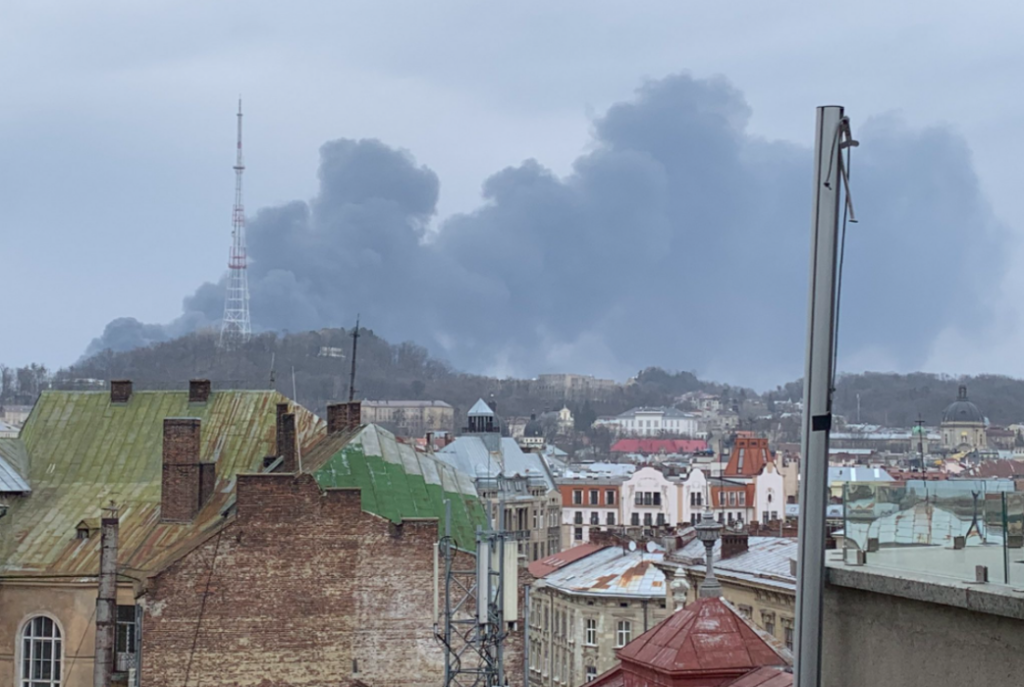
(180, 482)
(300, 588)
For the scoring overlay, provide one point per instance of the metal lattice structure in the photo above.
(471, 625)
(236, 327)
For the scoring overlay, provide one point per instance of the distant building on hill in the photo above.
(410, 418)
(652, 422)
(567, 387)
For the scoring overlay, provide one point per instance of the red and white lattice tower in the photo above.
(236, 328)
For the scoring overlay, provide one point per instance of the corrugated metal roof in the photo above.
(766, 559)
(612, 571)
(545, 566)
(84, 452)
(858, 474)
(397, 481)
(13, 465)
(469, 455)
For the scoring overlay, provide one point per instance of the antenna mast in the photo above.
(236, 328)
(352, 374)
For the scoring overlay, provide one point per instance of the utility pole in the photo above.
(106, 599)
(832, 135)
(352, 373)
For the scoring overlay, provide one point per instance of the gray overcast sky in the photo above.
(116, 135)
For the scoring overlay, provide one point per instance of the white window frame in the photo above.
(590, 635)
(55, 680)
(623, 633)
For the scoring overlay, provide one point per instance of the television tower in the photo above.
(236, 328)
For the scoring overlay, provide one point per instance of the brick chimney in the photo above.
(733, 544)
(180, 486)
(344, 416)
(286, 444)
(198, 390)
(282, 410)
(120, 390)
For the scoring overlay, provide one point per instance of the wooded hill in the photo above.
(321, 364)
(320, 361)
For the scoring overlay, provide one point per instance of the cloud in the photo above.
(678, 239)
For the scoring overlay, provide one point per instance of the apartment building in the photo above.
(589, 503)
(587, 603)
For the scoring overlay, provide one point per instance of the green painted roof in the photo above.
(84, 451)
(398, 481)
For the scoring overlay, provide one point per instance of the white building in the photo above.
(653, 422)
(649, 499)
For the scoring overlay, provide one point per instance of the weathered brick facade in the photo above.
(180, 484)
(301, 588)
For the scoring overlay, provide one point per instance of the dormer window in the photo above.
(85, 528)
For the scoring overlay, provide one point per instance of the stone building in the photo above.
(707, 644)
(505, 474)
(963, 425)
(756, 574)
(587, 603)
(589, 502)
(410, 418)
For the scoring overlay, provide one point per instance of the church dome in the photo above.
(961, 410)
(533, 428)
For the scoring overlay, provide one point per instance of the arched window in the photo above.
(40, 653)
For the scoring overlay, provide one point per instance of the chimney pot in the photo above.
(198, 390)
(120, 390)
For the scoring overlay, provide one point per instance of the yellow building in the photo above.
(757, 576)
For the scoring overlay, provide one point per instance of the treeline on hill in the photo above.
(321, 364)
(320, 360)
(896, 400)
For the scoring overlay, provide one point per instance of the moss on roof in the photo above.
(83, 451)
(399, 482)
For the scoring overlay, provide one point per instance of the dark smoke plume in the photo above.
(679, 240)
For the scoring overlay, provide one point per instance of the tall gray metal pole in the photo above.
(817, 415)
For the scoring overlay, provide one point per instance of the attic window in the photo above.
(85, 528)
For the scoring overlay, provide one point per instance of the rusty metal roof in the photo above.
(707, 635)
(612, 571)
(84, 451)
(545, 566)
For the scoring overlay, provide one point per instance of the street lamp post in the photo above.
(708, 532)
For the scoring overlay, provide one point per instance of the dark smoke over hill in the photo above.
(678, 240)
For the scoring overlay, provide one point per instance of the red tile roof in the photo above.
(996, 468)
(706, 638)
(748, 457)
(546, 566)
(659, 446)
